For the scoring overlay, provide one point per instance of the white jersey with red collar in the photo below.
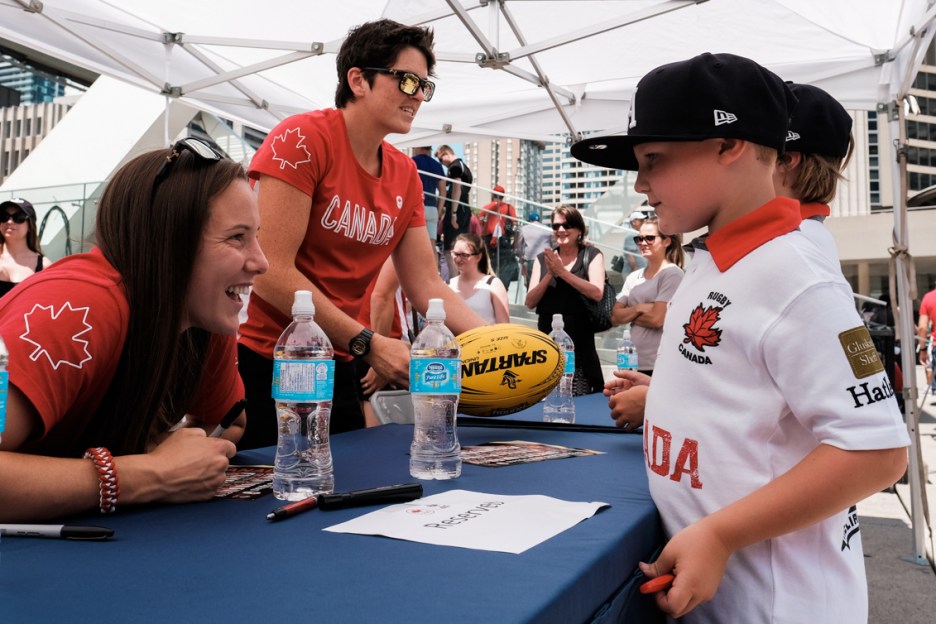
(763, 358)
(813, 226)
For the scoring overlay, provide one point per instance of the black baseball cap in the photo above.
(22, 204)
(820, 125)
(709, 96)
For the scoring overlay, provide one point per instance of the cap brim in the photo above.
(617, 152)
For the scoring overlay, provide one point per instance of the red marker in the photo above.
(658, 584)
(291, 509)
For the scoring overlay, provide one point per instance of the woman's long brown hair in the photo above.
(152, 236)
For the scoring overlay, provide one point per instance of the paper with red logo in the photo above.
(511, 524)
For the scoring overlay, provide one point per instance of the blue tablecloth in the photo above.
(222, 560)
(590, 410)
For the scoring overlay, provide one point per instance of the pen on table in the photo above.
(371, 496)
(402, 493)
(291, 509)
(57, 531)
(229, 418)
(658, 584)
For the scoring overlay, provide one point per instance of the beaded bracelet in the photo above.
(107, 474)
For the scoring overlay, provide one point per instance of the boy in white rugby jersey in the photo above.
(769, 415)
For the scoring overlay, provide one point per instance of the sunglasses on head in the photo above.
(410, 83)
(18, 217)
(202, 150)
(556, 226)
(464, 256)
(649, 238)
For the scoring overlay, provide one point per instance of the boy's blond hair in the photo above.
(816, 178)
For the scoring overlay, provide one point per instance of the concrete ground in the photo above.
(901, 586)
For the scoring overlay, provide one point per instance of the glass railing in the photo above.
(65, 215)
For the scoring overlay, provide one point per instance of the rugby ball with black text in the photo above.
(506, 368)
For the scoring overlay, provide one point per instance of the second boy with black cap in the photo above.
(818, 146)
(769, 415)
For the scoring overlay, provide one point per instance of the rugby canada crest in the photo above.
(701, 330)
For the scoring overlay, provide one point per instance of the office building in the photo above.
(515, 164)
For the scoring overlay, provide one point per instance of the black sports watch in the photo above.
(360, 344)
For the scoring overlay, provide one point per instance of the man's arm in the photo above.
(922, 334)
(414, 262)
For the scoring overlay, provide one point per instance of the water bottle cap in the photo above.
(302, 303)
(436, 311)
(557, 322)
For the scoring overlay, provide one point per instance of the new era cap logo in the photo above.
(722, 117)
(792, 136)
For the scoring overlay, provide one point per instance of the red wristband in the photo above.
(107, 474)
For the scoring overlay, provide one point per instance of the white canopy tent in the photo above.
(519, 68)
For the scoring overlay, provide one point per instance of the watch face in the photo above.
(358, 346)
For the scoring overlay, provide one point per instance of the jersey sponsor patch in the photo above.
(861, 353)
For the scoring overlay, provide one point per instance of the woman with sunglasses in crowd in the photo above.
(476, 283)
(123, 360)
(560, 278)
(20, 254)
(646, 291)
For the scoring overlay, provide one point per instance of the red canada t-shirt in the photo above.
(65, 329)
(356, 219)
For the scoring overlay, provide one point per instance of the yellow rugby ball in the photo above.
(506, 368)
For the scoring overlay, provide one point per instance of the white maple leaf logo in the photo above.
(67, 321)
(288, 148)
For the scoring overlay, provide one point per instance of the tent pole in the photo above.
(904, 320)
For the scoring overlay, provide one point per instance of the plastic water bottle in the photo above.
(559, 406)
(4, 359)
(303, 387)
(626, 352)
(435, 384)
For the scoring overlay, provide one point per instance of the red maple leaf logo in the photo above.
(700, 330)
(289, 149)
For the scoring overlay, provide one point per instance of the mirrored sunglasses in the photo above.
(199, 147)
(410, 83)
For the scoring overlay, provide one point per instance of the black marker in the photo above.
(372, 496)
(229, 418)
(56, 531)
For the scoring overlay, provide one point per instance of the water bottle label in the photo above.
(303, 381)
(627, 361)
(569, 362)
(4, 380)
(435, 376)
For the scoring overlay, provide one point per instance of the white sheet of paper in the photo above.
(476, 520)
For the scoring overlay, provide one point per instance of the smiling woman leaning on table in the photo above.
(110, 349)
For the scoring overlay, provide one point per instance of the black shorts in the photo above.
(257, 373)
